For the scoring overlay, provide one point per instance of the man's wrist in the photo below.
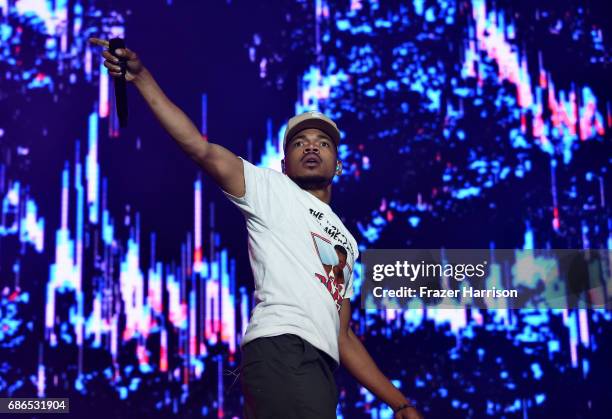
(405, 405)
(142, 77)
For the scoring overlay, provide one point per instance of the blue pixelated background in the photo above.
(124, 276)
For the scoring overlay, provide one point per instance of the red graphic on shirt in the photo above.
(334, 261)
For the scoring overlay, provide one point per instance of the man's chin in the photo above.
(311, 182)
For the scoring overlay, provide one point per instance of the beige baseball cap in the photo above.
(311, 119)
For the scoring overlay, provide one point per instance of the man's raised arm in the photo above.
(221, 164)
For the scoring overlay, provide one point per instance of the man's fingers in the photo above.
(112, 67)
(100, 42)
(121, 52)
(125, 53)
(110, 57)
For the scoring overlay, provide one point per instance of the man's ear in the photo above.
(338, 167)
(283, 165)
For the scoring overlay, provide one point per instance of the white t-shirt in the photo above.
(302, 258)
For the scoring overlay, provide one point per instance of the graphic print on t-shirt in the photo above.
(335, 266)
(332, 231)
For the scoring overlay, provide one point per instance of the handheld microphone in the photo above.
(119, 82)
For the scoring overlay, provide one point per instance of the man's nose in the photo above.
(311, 148)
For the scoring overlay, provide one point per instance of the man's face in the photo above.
(310, 159)
(341, 260)
(339, 268)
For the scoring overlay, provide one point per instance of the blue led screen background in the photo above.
(124, 281)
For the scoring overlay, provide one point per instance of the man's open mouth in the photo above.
(311, 160)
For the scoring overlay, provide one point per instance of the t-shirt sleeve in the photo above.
(261, 186)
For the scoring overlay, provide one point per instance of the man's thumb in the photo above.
(127, 53)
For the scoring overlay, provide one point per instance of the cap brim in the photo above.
(317, 123)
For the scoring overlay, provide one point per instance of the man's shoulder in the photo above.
(268, 171)
(270, 180)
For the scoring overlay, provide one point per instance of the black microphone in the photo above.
(119, 82)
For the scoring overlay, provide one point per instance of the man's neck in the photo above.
(323, 194)
(318, 187)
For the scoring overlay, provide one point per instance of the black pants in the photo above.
(286, 377)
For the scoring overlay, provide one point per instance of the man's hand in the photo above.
(408, 413)
(134, 65)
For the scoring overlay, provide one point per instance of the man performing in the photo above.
(299, 330)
